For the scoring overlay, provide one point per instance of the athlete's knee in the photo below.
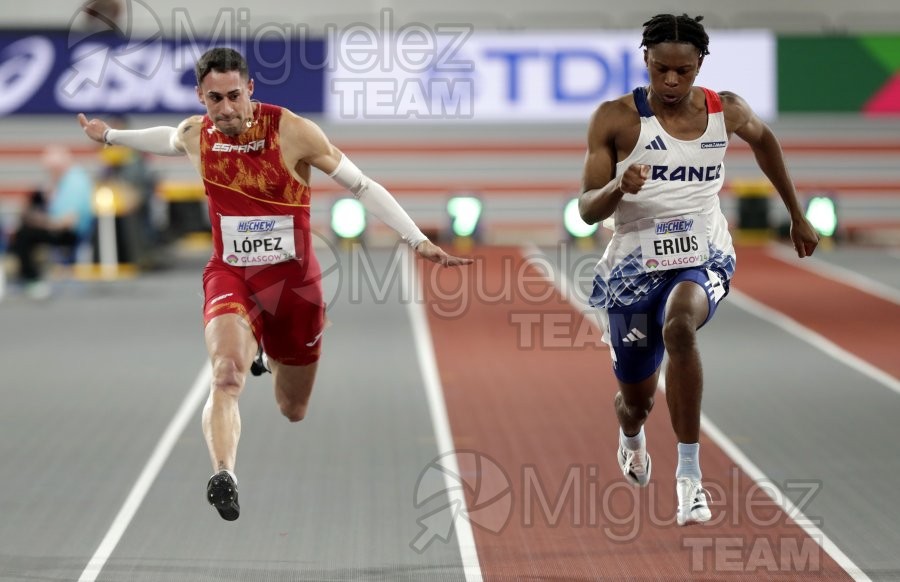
(293, 411)
(227, 376)
(636, 408)
(293, 405)
(679, 333)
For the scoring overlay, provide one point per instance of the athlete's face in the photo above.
(227, 100)
(672, 67)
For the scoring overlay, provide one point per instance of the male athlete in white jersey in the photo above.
(653, 173)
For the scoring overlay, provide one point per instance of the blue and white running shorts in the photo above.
(634, 332)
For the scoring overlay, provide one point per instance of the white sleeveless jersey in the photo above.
(682, 188)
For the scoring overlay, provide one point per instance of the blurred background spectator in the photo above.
(123, 165)
(60, 215)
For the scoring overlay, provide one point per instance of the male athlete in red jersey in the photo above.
(262, 286)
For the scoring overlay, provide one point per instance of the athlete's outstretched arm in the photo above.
(162, 140)
(742, 120)
(601, 189)
(375, 198)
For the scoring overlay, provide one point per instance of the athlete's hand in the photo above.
(634, 177)
(804, 237)
(432, 252)
(95, 128)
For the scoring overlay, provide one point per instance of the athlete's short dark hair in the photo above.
(221, 60)
(670, 28)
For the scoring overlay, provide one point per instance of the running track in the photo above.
(501, 367)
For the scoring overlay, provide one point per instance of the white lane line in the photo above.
(434, 392)
(777, 496)
(148, 475)
(809, 336)
(837, 273)
(749, 468)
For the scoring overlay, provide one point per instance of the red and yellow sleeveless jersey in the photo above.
(245, 176)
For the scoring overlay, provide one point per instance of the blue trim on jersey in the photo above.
(628, 282)
(640, 100)
(721, 263)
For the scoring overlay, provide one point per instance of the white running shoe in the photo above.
(692, 505)
(635, 465)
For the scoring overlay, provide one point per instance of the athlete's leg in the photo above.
(293, 387)
(292, 339)
(636, 347)
(231, 346)
(634, 401)
(686, 310)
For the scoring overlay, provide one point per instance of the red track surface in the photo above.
(541, 409)
(862, 324)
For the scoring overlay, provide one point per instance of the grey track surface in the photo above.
(813, 425)
(878, 264)
(89, 381)
(92, 378)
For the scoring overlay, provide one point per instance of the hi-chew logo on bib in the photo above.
(249, 241)
(674, 243)
(256, 225)
(674, 226)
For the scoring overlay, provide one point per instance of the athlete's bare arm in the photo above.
(302, 141)
(610, 128)
(305, 144)
(743, 122)
(187, 139)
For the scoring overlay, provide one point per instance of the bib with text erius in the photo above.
(674, 243)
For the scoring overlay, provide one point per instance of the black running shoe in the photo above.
(222, 493)
(259, 367)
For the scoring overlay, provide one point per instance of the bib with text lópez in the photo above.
(252, 241)
(674, 243)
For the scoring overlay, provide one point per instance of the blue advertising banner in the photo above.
(60, 72)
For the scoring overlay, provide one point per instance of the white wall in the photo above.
(801, 16)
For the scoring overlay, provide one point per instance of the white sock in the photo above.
(688, 461)
(632, 443)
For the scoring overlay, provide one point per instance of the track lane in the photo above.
(540, 411)
(861, 323)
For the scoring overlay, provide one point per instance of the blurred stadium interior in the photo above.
(525, 169)
(801, 363)
(795, 17)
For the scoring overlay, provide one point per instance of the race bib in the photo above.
(674, 243)
(252, 241)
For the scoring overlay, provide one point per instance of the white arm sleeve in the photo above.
(377, 200)
(155, 140)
